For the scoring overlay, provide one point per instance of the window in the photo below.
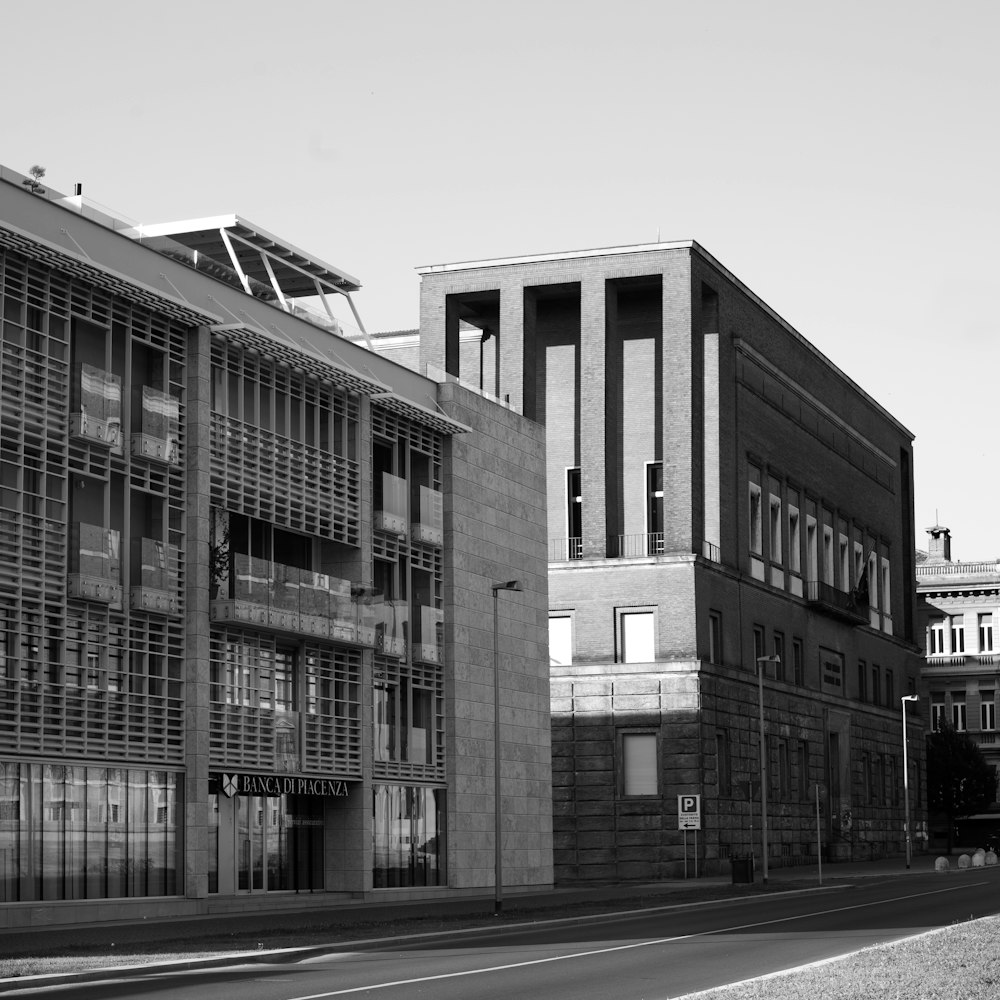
(987, 711)
(783, 778)
(862, 680)
(935, 642)
(560, 640)
(758, 643)
(893, 785)
(722, 763)
(574, 513)
(831, 670)
(886, 589)
(876, 684)
(812, 549)
(715, 637)
(828, 555)
(890, 689)
(958, 717)
(986, 633)
(937, 711)
(639, 764)
(654, 506)
(845, 567)
(774, 525)
(803, 769)
(636, 636)
(794, 541)
(756, 528)
(957, 625)
(798, 662)
(779, 651)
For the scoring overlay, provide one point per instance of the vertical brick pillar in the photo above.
(678, 408)
(198, 456)
(512, 344)
(593, 414)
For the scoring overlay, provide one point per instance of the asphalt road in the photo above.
(650, 955)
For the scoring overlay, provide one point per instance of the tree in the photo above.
(34, 184)
(959, 780)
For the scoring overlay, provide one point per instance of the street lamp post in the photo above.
(906, 776)
(497, 847)
(761, 660)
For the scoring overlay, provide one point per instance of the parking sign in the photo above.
(688, 812)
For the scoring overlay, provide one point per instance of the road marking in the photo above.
(613, 949)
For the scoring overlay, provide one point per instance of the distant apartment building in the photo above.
(959, 612)
(246, 566)
(720, 495)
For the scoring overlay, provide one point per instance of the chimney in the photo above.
(939, 549)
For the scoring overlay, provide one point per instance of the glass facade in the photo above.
(87, 832)
(409, 836)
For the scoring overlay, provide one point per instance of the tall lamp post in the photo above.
(497, 847)
(761, 661)
(906, 776)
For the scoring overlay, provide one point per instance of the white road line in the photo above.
(615, 948)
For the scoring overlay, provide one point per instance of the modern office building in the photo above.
(959, 609)
(720, 495)
(246, 588)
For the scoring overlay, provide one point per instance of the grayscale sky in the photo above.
(839, 158)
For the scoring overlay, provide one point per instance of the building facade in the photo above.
(246, 635)
(720, 496)
(959, 610)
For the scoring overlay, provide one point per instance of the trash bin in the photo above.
(742, 869)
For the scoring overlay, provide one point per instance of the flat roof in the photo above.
(296, 271)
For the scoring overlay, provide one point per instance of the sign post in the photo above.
(689, 818)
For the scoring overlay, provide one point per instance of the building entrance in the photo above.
(268, 843)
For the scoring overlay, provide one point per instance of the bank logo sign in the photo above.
(279, 784)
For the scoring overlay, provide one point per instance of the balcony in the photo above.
(272, 596)
(155, 426)
(561, 549)
(95, 564)
(428, 528)
(840, 604)
(96, 411)
(390, 508)
(635, 546)
(155, 576)
(391, 625)
(428, 646)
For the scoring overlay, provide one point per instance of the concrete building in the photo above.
(246, 606)
(718, 493)
(959, 610)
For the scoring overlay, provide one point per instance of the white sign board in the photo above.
(688, 812)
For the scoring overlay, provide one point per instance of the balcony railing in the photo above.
(95, 569)
(838, 603)
(155, 576)
(391, 626)
(561, 549)
(429, 524)
(428, 644)
(635, 546)
(390, 513)
(96, 410)
(711, 551)
(288, 599)
(155, 425)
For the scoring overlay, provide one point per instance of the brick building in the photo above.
(718, 492)
(246, 633)
(958, 611)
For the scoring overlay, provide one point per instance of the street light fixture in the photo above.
(906, 776)
(497, 850)
(761, 660)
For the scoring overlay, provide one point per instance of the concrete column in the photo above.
(511, 344)
(594, 320)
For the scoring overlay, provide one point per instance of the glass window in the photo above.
(715, 637)
(794, 538)
(560, 640)
(637, 636)
(958, 717)
(957, 634)
(756, 525)
(798, 661)
(774, 524)
(986, 633)
(654, 506)
(408, 836)
(935, 638)
(639, 764)
(987, 711)
(574, 513)
(937, 712)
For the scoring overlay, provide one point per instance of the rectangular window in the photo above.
(803, 770)
(876, 688)
(935, 639)
(986, 633)
(784, 775)
(774, 525)
(958, 717)
(560, 640)
(798, 662)
(893, 786)
(574, 514)
(937, 712)
(715, 637)
(886, 589)
(890, 689)
(828, 564)
(636, 636)
(654, 507)
(957, 625)
(794, 535)
(862, 680)
(987, 711)
(812, 549)
(408, 833)
(831, 664)
(758, 643)
(845, 566)
(779, 652)
(756, 524)
(639, 764)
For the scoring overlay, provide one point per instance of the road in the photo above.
(650, 955)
